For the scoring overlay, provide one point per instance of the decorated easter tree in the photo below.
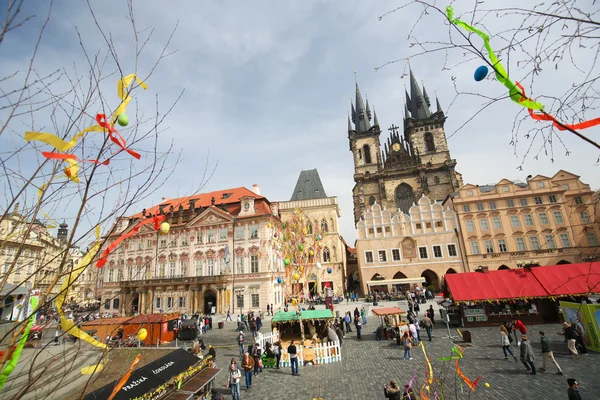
(299, 243)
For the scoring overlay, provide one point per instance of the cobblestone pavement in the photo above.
(367, 364)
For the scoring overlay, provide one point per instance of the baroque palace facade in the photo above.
(403, 233)
(215, 256)
(545, 221)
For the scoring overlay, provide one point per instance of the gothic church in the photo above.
(411, 164)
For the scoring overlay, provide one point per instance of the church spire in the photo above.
(349, 124)
(437, 104)
(375, 120)
(426, 97)
(418, 105)
(360, 115)
(368, 111)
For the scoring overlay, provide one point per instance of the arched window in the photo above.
(309, 229)
(371, 200)
(326, 255)
(429, 144)
(359, 154)
(367, 151)
(324, 227)
(404, 197)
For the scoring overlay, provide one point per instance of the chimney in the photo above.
(256, 189)
(164, 199)
(16, 210)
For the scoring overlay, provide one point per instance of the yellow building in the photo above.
(322, 211)
(396, 249)
(29, 254)
(216, 247)
(545, 221)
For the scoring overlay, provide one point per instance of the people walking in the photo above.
(257, 356)
(228, 318)
(363, 315)
(527, 356)
(519, 326)
(391, 392)
(573, 390)
(234, 381)
(413, 333)
(240, 340)
(428, 325)
(293, 353)
(571, 336)
(358, 329)
(347, 320)
(277, 352)
(406, 342)
(505, 341)
(268, 309)
(547, 353)
(248, 366)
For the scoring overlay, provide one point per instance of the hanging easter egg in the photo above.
(164, 228)
(319, 237)
(142, 334)
(275, 234)
(279, 280)
(268, 225)
(123, 119)
(319, 265)
(304, 231)
(294, 302)
(311, 253)
(329, 270)
(480, 73)
(283, 225)
(296, 276)
(300, 247)
(301, 268)
(286, 261)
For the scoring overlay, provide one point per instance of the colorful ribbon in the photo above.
(103, 259)
(67, 324)
(125, 377)
(560, 126)
(515, 93)
(14, 358)
(122, 86)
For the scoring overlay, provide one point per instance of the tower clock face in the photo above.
(396, 147)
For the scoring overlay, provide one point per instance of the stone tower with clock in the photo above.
(413, 163)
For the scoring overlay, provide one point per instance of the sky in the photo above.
(266, 88)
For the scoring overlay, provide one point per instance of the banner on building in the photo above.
(587, 319)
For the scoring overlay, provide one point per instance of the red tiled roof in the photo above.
(204, 200)
(152, 318)
(569, 279)
(352, 250)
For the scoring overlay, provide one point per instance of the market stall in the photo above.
(314, 323)
(155, 380)
(391, 325)
(105, 327)
(528, 294)
(161, 328)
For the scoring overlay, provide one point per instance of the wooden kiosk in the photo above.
(391, 325)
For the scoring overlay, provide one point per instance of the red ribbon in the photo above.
(156, 220)
(61, 156)
(560, 126)
(117, 138)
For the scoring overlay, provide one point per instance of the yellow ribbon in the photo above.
(67, 324)
(122, 86)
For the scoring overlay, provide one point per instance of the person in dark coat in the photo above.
(527, 355)
(358, 329)
(391, 392)
(573, 390)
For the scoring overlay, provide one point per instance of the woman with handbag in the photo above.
(277, 352)
(233, 381)
(256, 354)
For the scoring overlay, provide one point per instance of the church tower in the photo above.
(412, 164)
(366, 150)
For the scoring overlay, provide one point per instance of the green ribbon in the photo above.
(14, 359)
(455, 350)
(514, 92)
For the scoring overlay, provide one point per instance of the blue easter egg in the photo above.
(329, 270)
(279, 280)
(481, 73)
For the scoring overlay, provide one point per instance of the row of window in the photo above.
(436, 252)
(515, 220)
(418, 226)
(254, 300)
(208, 267)
(25, 253)
(170, 303)
(550, 242)
(523, 202)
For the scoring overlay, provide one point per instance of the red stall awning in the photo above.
(494, 285)
(569, 279)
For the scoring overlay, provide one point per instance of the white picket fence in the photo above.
(324, 353)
